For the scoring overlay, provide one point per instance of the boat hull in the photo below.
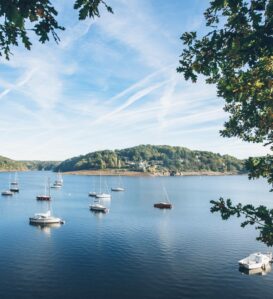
(43, 197)
(119, 189)
(92, 194)
(14, 189)
(163, 205)
(52, 220)
(103, 195)
(96, 208)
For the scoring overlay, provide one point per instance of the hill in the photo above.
(7, 164)
(155, 159)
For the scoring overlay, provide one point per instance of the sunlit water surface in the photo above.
(135, 250)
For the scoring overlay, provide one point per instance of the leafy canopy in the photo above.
(237, 56)
(20, 17)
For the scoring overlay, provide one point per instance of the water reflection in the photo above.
(46, 228)
(258, 271)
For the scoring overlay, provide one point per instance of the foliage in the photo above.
(151, 158)
(19, 17)
(260, 216)
(237, 56)
(41, 165)
(8, 164)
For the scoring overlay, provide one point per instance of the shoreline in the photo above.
(144, 174)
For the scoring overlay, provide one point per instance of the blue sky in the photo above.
(111, 83)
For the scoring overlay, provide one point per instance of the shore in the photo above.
(136, 173)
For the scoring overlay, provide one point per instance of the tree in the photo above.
(237, 56)
(19, 17)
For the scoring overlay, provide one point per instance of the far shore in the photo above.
(115, 172)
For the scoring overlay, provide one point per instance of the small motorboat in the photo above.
(163, 205)
(97, 207)
(7, 193)
(45, 218)
(256, 260)
(117, 189)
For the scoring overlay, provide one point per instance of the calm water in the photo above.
(134, 251)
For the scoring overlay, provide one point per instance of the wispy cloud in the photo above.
(110, 83)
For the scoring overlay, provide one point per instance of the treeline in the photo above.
(152, 158)
(7, 164)
(41, 165)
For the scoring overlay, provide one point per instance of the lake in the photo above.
(135, 250)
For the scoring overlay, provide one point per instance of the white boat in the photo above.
(93, 193)
(7, 193)
(119, 187)
(45, 218)
(97, 207)
(59, 181)
(103, 194)
(256, 260)
(14, 186)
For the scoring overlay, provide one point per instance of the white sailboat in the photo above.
(98, 207)
(14, 186)
(45, 218)
(59, 181)
(93, 193)
(119, 186)
(105, 195)
(7, 192)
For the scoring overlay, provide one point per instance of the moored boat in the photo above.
(14, 186)
(163, 205)
(45, 218)
(7, 193)
(256, 260)
(117, 189)
(97, 207)
(46, 195)
(92, 194)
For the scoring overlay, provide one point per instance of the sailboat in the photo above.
(59, 181)
(93, 193)
(45, 218)
(119, 186)
(103, 194)
(14, 186)
(98, 207)
(46, 195)
(164, 204)
(7, 192)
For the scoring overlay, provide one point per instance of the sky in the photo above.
(111, 83)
